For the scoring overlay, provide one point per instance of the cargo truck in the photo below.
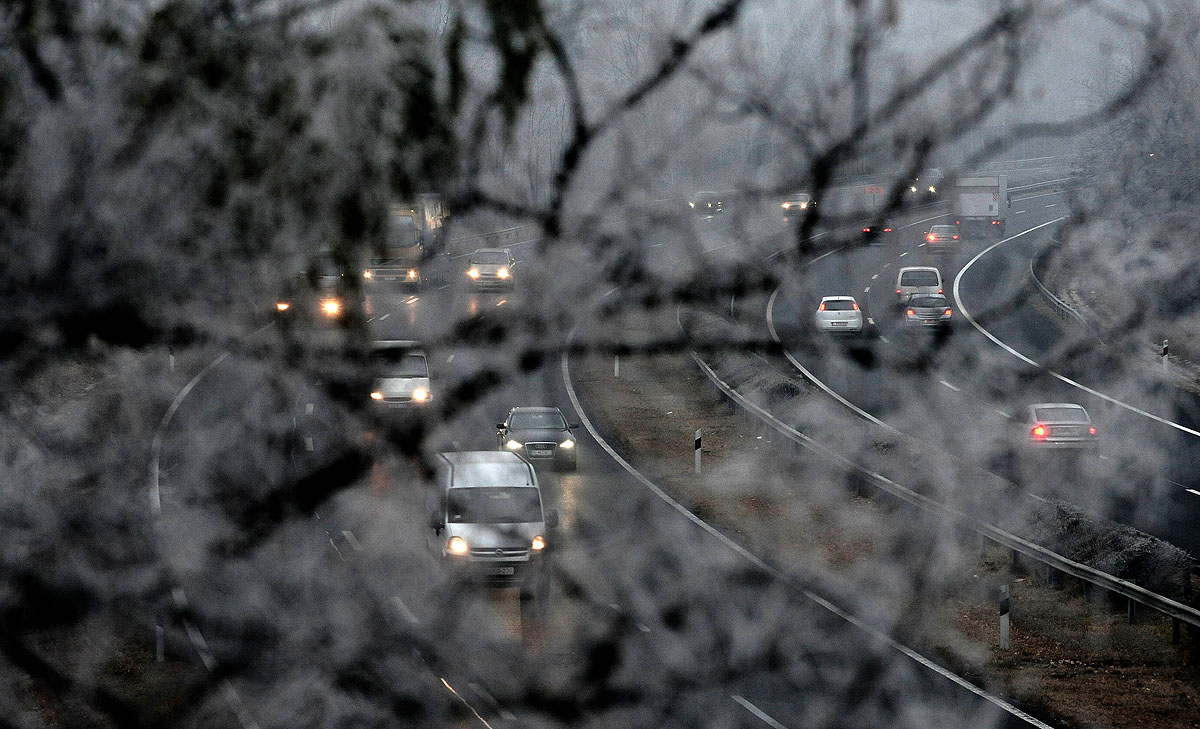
(981, 205)
(414, 235)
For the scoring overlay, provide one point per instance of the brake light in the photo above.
(910, 312)
(955, 237)
(1039, 431)
(854, 304)
(940, 291)
(947, 312)
(898, 291)
(822, 307)
(958, 222)
(866, 230)
(995, 222)
(929, 237)
(887, 230)
(1092, 430)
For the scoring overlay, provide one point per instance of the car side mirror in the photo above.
(500, 427)
(551, 518)
(572, 426)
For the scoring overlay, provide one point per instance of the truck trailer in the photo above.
(981, 205)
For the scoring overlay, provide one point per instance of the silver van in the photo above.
(488, 521)
(917, 281)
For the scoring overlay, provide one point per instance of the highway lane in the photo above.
(962, 388)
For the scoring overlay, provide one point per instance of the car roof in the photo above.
(476, 469)
(409, 344)
(837, 298)
(944, 225)
(535, 409)
(489, 250)
(1058, 405)
(920, 268)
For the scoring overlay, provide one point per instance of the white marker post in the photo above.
(171, 358)
(617, 366)
(697, 451)
(1004, 617)
(1164, 356)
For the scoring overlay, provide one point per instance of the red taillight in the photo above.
(910, 312)
(958, 222)
(1039, 431)
(897, 290)
(956, 236)
(866, 230)
(1092, 430)
(929, 237)
(822, 308)
(940, 291)
(854, 304)
(887, 230)
(947, 312)
(995, 222)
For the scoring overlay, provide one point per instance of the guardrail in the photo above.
(1134, 594)
(1061, 309)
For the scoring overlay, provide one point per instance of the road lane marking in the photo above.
(449, 359)
(1006, 416)
(387, 315)
(308, 409)
(883, 339)
(758, 713)
(867, 290)
(465, 703)
(352, 540)
(404, 611)
(902, 255)
(947, 384)
(870, 321)
(887, 265)
(874, 277)
(308, 444)
(656, 245)
(443, 287)
(1027, 360)
(1052, 205)
(643, 627)
(1193, 491)
(1018, 212)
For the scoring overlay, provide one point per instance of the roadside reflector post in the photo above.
(1165, 349)
(160, 643)
(1004, 605)
(617, 366)
(171, 358)
(697, 445)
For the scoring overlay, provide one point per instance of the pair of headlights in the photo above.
(458, 545)
(500, 273)
(516, 445)
(418, 395)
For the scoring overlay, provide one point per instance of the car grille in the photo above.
(538, 449)
(500, 552)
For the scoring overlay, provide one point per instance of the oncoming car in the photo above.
(1058, 425)
(491, 268)
(401, 374)
(706, 202)
(839, 314)
(796, 205)
(539, 434)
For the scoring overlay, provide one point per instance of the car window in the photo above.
(839, 305)
(489, 258)
(493, 505)
(943, 230)
(919, 278)
(401, 364)
(929, 301)
(548, 420)
(402, 231)
(1060, 415)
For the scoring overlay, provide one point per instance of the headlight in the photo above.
(331, 307)
(513, 445)
(473, 272)
(282, 306)
(376, 395)
(912, 188)
(538, 543)
(691, 204)
(786, 205)
(420, 394)
(412, 274)
(368, 274)
(457, 545)
(502, 273)
(568, 443)
(932, 188)
(803, 205)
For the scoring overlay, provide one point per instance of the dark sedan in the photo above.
(539, 434)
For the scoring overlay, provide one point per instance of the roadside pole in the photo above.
(697, 451)
(1004, 617)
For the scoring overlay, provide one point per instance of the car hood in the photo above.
(400, 386)
(489, 267)
(488, 536)
(525, 435)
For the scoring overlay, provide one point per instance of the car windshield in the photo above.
(402, 231)
(550, 420)
(391, 363)
(493, 505)
(1060, 415)
(929, 302)
(919, 278)
(839, 305)
(488, 258)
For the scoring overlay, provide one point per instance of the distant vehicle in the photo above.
(981, 205)
(401, 374)
(488, 519)
(539, 434)
(321, 293)
(839, 314)
(942, 238)
(491, 268)
(928, 311)
(879, 232)
(797, 205)
(916, 281)
(414, 234)
(706, 202)
(925, 187)
(1057, 425)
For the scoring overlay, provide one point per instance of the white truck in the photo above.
(415, 232)
(981, 205)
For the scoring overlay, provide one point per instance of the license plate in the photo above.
(500, 571)
(839, 323)
(539, 451)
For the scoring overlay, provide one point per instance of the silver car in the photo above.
(928, 311)
(917, 280)
(942, 238)
(491, 268)
(839, 314)
(401, 372)
(1058, 425)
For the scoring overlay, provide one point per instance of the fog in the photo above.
(210, 522)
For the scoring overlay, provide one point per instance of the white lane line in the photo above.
(656, 245)
(449, 359)
(1006, 416)
(483, 694)
(1193, 491)
(610, 292)
(643, 627)
(887, 265)
(308, 444)
(884, 339)
(875, 276)
(404, 611)
(759, 713)
(750, 557)
(464, 701)
(1052, 205)
(902, 255)
(947, 384)
(870, 321)
(443, 287)
(308, 409)
(381, 318)
(352, 540)
(867, 290)
(1027, 360)
(1019, 212)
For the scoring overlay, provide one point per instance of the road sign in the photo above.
(874, 189)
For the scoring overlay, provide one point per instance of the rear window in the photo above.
(919, 278)
(943, 230)
(1060, 415)
(839, 305)
(932, 302)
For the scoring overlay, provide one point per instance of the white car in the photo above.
(917, 281)
(839, 314)
(401, 374)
